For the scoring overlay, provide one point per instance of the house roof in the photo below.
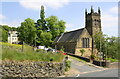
(71, 36)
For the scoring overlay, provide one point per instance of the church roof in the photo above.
(71, 36)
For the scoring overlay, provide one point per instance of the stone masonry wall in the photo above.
(31, 69)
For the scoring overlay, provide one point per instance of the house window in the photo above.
(85, 42)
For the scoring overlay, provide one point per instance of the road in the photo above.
(82, 69)
(104, 73)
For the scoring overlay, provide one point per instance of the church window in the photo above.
(85, 42)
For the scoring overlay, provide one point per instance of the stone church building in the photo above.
(79, 39)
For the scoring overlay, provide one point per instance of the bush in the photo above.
(82, 52)
(112, 60)
(92, 57)
(68, 65)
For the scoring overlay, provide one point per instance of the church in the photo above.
(81, 39)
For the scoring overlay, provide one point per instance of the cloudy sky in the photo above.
(72, 12)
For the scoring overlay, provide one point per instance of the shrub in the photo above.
(112, 60)
(68, 65)
(92, 57)
(82, 52)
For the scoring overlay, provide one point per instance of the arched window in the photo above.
(85, 42)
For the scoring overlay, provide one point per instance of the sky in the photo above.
(12, 13)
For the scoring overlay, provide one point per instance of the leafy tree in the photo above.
(50, 26)
(112, 47)
(46, 38)
(55, 27)
(27, 31)
(107, 45)
(4, 29)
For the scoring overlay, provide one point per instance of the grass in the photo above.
(14, 52)
(78, 59)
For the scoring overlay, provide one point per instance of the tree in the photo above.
(4, 32)
(27, 31)
(46, 38)
(107, 45)
(41, 23)
(48, 26)
(55, 27)
(112, 47)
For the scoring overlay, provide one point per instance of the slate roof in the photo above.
(71, 36)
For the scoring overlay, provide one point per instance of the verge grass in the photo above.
(14, 52)
(78, 59)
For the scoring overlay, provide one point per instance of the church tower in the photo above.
(93, 21)
(93, 24)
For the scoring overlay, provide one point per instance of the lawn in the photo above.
(14, 52)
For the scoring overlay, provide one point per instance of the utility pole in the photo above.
(22, 46)
(100, 53)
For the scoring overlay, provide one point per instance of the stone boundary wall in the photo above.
(31, 69)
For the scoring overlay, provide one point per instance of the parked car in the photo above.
(51, 50)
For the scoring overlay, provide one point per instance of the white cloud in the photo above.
(69, 27)
(110, 22)
(13, 23)
(114, 10)
(2, 17)
(36, 4)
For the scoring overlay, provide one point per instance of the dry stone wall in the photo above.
(31, 69)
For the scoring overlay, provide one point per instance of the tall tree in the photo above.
(55, 26)
(27, 31)
(41, 23)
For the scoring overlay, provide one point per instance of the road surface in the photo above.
(82, 69)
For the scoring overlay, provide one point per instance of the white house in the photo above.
(12, 37)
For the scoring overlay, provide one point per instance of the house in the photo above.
(81, 39)
(13, 37)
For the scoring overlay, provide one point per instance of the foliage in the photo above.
(48, 29)
(112, 48)
(41, 23)
(4, 29)
(107, 45)
(112, 60)
(82, 52)
(4, 32)
(27, 31)
(46, 38)
(55, 26)
(68, 65)
(13, 52)
(92, 57)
